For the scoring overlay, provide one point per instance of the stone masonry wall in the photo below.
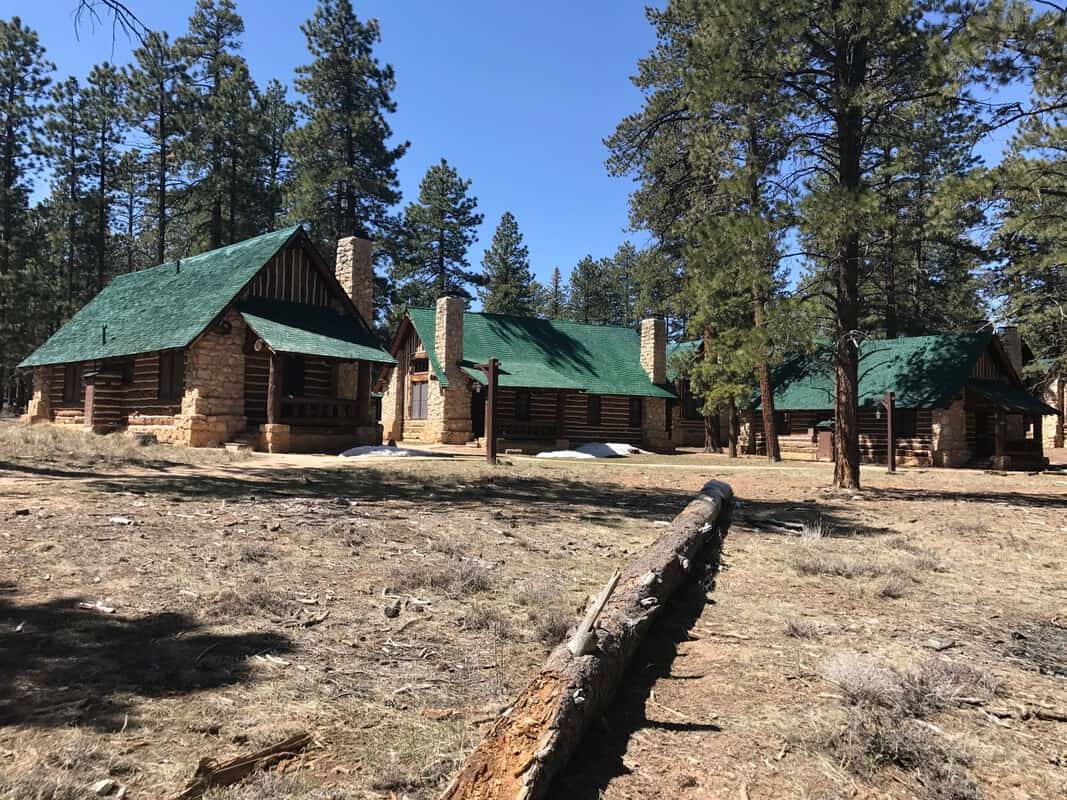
(654, 434)
(449, 408)
(392, 404)
(950, 436)
(354, 269)
(40, 407)
(213, 403)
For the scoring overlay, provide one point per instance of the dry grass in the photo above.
(75, 447)
(459, 577)
(481, 616)
(829, 564)
(803, 628)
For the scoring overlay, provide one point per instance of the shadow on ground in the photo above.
(62, 665)
(531, 498)
(599, 758)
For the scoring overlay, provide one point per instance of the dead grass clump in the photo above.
(814, 530)
(871, 739)
(1042, 647)
(894, 587)
(552, 624)
(922, 559)
(272, 786)
(803, 628)
(460, 578)
(884, 722)
(812, 563)
(70, 445)
(484, 617)
(229, 604)
(42, 784)
(256, 554)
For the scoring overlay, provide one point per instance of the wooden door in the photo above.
(90, 393)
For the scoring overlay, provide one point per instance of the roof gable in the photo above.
(546, 354)
(160, 308)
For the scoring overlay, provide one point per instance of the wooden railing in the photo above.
(318, 411)
(528, 430)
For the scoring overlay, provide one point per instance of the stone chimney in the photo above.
(448, 335)
(1013, 346)
(654, 349)
(355, 272)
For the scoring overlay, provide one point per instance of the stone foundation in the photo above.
(654, 434)
(274, 438)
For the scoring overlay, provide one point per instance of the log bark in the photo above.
(532, 741)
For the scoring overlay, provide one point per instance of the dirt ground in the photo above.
(907, 640)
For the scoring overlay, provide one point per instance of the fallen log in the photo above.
(533, 739)
(210, 773)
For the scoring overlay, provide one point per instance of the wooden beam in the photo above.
(274, 390)
(1000, 434)
(491, 370)
(891, 442)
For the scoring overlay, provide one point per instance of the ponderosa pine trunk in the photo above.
(734, 435)
(851, 66)
(1061, 386)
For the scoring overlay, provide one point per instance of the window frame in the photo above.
(420, 390)
(72, 383)
(635, 412)
(783, 423)
(523, 406)
(902, 429)
(171, 377)
(593, 410)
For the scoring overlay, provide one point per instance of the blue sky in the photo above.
(517, 95)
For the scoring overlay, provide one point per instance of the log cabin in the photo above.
(259, 342)
(560, 383)
(959, 401)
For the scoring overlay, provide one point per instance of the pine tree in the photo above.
(272, 123)
(592, 295)
(106, 126)
(554, 300)
(508, 285)
(624, 273)
(158, 93)
(67, 157)
(437, 232)
(24, 79)
(344, 176)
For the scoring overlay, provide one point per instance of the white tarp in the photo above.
(382, 451)
(595, 450)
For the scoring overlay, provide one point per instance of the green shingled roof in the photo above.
(298, 328)
(678, 355)
(923, 371)
(546, 354)
(1011, 398)
(159, 308)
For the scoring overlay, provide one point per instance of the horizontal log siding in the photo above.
(139, 397)
(614, 421)
(872, 435)
(291, 275)
(542, 410)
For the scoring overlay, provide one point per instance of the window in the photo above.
(522, 406)
(904, 423)
(419, 393)
(72, 383)
(783, 422)
(293, 376)
(635, 412)
(171, 374)
(592, 411)
(420, 364)
(126, 369)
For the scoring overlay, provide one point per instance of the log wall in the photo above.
(139, 397)
(319, 381)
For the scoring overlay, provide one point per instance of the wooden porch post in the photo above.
(364, 406)
(274, 390)
(889, 401)
(1039, 436)
(490, 410)
(1000, 436)
(561, 414)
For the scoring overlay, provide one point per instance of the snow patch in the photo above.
(382, 451)
(595, 450)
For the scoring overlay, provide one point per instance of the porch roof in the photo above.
(1011, 398)
(311, 331)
